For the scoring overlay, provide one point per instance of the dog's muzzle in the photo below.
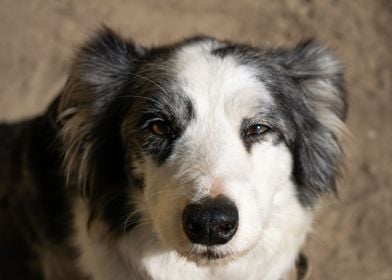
(213, 221)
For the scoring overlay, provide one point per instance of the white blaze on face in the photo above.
(210, 157)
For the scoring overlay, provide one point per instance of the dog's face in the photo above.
(209, 144)
(210, 137)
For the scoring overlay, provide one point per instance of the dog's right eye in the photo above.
(256, 130)
(160, 128)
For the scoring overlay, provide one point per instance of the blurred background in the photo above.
(352, 237)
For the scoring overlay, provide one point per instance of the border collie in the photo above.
(202, 159)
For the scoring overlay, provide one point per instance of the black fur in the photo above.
(100, 78)
(34, 207)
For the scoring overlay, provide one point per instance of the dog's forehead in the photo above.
(212, 81)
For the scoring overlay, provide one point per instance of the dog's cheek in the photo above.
(273, 167)
(249, 212)
(270, 174)
(164, 203)
(152, 190)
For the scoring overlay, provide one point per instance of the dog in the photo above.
(202, 159)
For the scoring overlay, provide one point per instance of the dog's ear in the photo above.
(318, 153)
(90, 110)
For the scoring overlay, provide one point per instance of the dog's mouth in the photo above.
(214, 254)
(211, 254)
(208, 255)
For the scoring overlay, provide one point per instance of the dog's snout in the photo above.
(211, 222)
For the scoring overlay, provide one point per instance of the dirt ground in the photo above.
(352, 237)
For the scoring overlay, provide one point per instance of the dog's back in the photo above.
(34, 217)
(16, 256)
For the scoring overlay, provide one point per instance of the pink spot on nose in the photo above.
(217, 188)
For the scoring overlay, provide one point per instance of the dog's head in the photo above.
(203, 137)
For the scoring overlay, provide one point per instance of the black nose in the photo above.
(210, 222)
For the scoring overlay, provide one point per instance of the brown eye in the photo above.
(159, 128)
(256, 130)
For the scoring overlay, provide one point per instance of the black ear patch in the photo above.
(90, 114)
(318, 154)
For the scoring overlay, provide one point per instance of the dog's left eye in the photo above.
(256, 130)
(160, 128)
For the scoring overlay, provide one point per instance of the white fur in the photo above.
(272, 223)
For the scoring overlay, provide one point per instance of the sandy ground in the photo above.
(352, 237)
